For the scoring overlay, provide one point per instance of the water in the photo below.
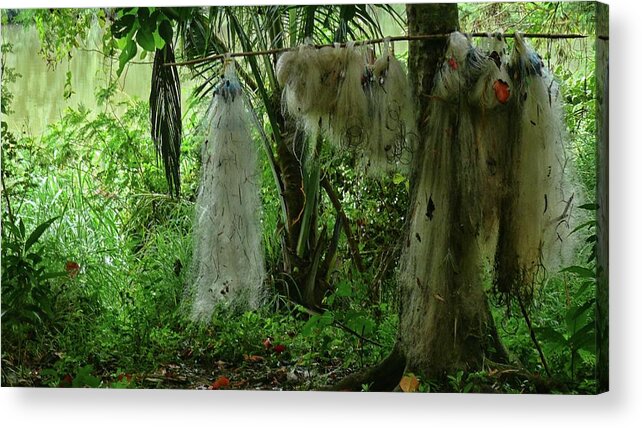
(38, 94)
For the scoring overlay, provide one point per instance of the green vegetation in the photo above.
(96, 254)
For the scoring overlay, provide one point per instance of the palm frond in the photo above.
(165, 115)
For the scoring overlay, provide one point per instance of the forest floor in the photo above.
(256, 372)
(199, 362)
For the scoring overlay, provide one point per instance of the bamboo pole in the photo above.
(216, 57)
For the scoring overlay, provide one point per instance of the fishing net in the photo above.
(228, 264)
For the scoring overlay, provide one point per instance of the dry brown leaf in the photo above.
(409, 383)
(253, 358)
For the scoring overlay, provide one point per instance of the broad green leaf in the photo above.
(165, 31)
(123, 26)
(326, 319)
(360, 323)
(398, 179)
(549, 334)
(344, 289)
(581, 271)
(310, 325)
(158, 40)
(38, 231)
(584, 338)
(52, 275)
(577, 315)
(145, 39)
(129, 51)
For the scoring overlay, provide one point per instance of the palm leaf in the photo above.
(165, 115)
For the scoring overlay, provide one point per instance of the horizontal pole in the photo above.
(375, 41)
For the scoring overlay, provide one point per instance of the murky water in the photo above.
(38, 94)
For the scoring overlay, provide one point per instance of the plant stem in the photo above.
(325, 183)
(532, 333)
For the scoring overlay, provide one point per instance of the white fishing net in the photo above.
(538, 208)
(391, 135)
(228, 264)
(495, 184)
(366, 109)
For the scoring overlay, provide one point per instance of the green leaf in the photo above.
(158, 40)
(360, 323)
(85, 378)
(582, 272)
(38, 231)
(326, 319)
(398, 179)
(145, 39)
(584, 338)
(585, 285)
(129, 51)
(310, 325)
(588, 224)
(589, 207)
(165, 31)
(52, 275)
(551, 335)
(577, 315)
(68, 89)
(21, 226)
(123, 26)
(344, 289)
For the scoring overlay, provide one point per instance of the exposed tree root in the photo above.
(383, 377)
(507, 373)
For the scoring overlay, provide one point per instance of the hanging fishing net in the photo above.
(540, 195)
(228, 264)
(391, 135)
(362, 108)
(495, 183)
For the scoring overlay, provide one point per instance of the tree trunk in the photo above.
(445, 320)
(602, 115)
(307, 287)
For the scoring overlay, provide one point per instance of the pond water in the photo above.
(38, 94)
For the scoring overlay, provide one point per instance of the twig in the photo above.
(354, 249)
(374, 41)
(532, 334)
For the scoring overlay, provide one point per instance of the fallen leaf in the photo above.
(409, 383)
(253, 358)
(220, 382)
(124, 375)
(66, 381)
